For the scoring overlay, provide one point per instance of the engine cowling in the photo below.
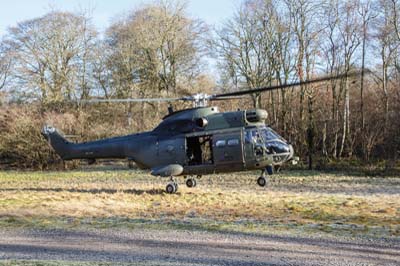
(256, 115)
(201, 122)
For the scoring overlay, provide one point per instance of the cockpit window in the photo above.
(253, 136)
(269, 134)
(260, 135)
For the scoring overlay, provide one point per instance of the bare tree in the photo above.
(350, 36)
(5, 65)
(102, 71)
(51, 55)
(333, 61)
(388, 46)
(285, 61)
(307, 31)
(303, 13)
(395, 18)
(245, 45)
(366, 16)
(154, 48)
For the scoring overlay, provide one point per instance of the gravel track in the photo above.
(180, 247)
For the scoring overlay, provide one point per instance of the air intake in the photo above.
(256, 115)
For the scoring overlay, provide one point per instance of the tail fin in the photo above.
(57, 142)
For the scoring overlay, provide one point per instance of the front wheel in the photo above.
(262, 181)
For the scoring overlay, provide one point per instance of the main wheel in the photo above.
(190, 182)
(262, 181)
(171, 188)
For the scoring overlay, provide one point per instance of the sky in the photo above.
(212, 12)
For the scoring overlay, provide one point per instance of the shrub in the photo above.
(21, 143)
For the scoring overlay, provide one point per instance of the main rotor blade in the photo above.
(284, 86)
(223, 98)
(131, 100)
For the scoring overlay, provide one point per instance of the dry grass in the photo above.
(113, 198)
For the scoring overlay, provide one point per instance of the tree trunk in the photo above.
(256, 98)
(310, 132)
(346, 116)
(324, 131)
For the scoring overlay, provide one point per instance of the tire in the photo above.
(262, 181)
(194, 183)
(190, 182)
(170, 188)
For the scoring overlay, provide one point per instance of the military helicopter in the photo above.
(194, 142)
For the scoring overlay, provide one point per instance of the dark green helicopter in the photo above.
(194, 142)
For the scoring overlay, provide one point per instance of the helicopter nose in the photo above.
(291, 151)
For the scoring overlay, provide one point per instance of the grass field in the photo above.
(301, 201)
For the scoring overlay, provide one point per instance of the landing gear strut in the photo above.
(172, 186)
(262, 181)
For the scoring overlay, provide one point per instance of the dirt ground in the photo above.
(181, 247)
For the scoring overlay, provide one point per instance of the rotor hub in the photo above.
(198, 99)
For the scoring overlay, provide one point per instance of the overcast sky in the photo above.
(13, 11)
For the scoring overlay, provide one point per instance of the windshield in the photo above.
(269, 134)
(253, 136)
(260, 135)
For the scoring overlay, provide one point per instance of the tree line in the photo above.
(49, 64)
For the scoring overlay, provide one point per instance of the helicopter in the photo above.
(194, 142)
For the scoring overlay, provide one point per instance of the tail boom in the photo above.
(106, 148)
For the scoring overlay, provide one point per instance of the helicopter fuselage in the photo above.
(195, 141)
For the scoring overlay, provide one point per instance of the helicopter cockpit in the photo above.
(267, 142)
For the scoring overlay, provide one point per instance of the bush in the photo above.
(23, 146)
(21, 143)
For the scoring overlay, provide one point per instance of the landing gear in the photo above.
(191, 182)
(270, 169)
(172, 186)
(262, 181)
